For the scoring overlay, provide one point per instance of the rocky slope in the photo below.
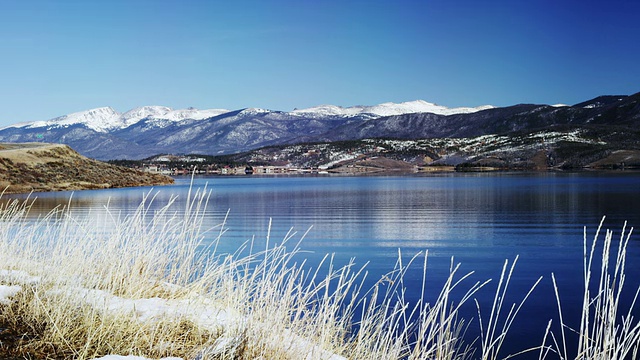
(52, 167)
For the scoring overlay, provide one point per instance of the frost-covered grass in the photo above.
(147, 285)
(606, 330)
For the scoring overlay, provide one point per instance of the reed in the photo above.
(605, 331)
(151, 284)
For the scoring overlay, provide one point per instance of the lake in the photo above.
(479, 219)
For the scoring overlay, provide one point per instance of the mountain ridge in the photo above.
(105, 119)
(146, 131)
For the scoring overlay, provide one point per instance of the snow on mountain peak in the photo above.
(105, 119)
(99, 119)
(167, 113)
(330, 110)
(146, 111)
(193, 113)
(421, 106)
(388, 109)
(253, 111)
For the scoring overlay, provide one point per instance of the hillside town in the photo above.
(214, 169)
(537, 151)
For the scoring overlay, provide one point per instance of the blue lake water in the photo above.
(479, 219)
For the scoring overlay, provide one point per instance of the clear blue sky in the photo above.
(59, 57)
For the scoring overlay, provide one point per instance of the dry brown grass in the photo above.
(147, 284)
(150, 286)
(54, 167)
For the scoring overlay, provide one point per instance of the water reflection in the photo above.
(480, 219)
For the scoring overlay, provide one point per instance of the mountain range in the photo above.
(105, 134)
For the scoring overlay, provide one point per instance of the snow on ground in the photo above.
(131, 357)
(7, 292)
(337, 158)
(18, 276)
(201, 310)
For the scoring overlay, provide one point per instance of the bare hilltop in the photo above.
(38, 167)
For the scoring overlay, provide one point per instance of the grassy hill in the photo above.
(39, 167)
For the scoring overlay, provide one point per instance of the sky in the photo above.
(59, 57)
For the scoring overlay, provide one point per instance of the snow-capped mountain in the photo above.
(106, 119)
(388, 109)
(145, 111)
(100, 119)
(166, 113)
(104, 133)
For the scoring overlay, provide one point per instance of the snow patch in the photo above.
(131, 357)
(202, 311)
(146, 111)
(338, 158)
(7, 292)
(253, 111)
(18, 276)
